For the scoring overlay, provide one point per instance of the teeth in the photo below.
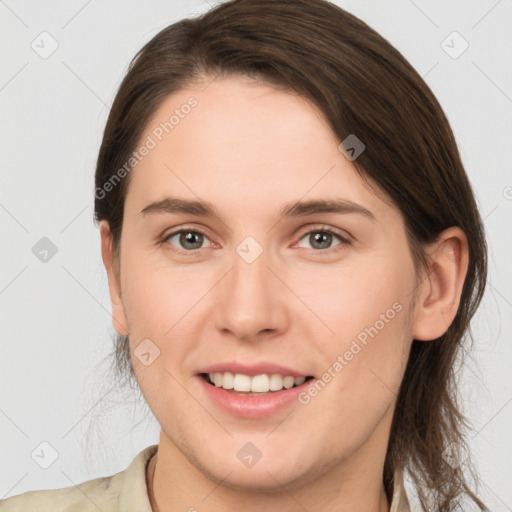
(240, 383)
(227, 380)
(258, 384)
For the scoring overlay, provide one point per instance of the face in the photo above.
(259, 287)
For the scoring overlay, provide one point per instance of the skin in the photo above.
(250, 149)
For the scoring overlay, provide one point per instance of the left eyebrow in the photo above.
(303, 208)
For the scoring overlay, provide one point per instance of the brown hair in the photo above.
(363, 86)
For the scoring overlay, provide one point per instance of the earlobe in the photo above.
(114, 282)
(440, 291)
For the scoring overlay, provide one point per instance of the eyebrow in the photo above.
(201, 208)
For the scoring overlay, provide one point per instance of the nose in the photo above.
(251, 300)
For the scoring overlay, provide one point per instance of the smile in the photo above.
(253, 386)
(244, 402)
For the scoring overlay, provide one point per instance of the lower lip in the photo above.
(253, 406)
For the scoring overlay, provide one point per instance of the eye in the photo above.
(187, 239)
(322, 239)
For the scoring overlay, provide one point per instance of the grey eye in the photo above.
(188, 240)
(320, 239)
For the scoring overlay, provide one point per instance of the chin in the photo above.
(260, 481)
(264, 476)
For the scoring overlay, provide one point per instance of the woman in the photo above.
(294, 254)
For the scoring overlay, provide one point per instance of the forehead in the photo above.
(238, 141)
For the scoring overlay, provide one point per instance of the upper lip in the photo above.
(252, 369)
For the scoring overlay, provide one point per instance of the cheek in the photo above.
(351, 298)
(367, 308)
(165, 305)
(160, 298)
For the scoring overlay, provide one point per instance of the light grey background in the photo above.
(55, 327)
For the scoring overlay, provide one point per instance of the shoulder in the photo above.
(108, 494)
(88, 496)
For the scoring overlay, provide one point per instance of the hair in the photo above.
(363, 86)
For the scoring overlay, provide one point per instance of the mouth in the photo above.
(258, 385)
(255, 396)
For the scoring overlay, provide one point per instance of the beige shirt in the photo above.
(123, 492)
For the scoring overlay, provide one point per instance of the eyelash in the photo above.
(323, 229)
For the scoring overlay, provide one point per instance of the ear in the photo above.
(112, 267)
(439, 293)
